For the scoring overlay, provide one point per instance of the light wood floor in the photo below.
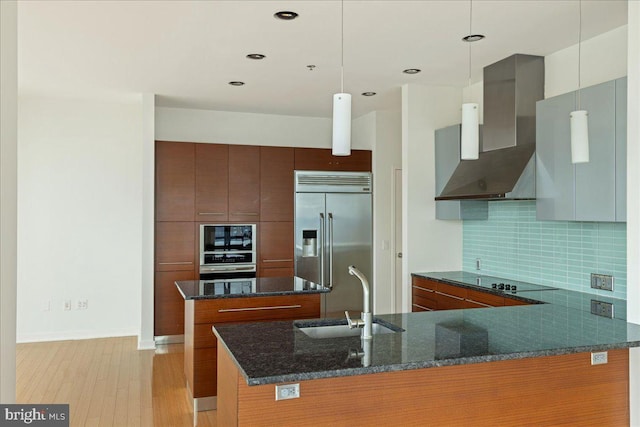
(108, 382)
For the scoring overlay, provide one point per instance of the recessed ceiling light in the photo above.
(412, 71)
(236, 83)
(473, 38)
(368, 93)
(285, 15)
(256, 56)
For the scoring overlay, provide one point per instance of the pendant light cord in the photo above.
(470, 32)
(342, 46)
(579, 49)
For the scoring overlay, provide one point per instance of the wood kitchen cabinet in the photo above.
(275, 252)
(175, 259)
(174, 181)
(244, 183)
(321, 159)
(429, 295)
(593, 191)
(175, 246)
(211, 182)
(276, 183)
(168, 304)
(200, 361)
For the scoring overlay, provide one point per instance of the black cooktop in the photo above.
(499, 284)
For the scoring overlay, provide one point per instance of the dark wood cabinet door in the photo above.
(322, 159)
(211, 182)
(276, 183)
(175, 246)
(175, 178)
(275, 249)
(168, 303)
(244, 183)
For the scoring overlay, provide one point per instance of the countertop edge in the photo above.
(277, 379)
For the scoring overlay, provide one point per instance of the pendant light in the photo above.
(470, 137)
(579, 118)
(341, 142)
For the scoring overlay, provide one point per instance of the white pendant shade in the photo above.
(579, 137)
(470, 142)
(341, 143)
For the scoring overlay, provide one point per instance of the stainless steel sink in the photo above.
(337, 331)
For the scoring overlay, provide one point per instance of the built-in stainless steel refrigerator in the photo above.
(333, 230)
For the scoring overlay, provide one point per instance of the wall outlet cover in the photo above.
(602, 281)
(287, 391)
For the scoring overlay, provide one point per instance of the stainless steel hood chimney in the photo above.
(505, 168)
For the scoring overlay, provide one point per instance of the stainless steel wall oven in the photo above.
(227, 251)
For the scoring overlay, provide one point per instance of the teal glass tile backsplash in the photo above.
(563, 254)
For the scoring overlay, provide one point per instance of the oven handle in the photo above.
(322, 249)
(226, 269)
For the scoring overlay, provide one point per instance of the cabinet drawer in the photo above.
(415, 308)
(423, 283)
(452, 290)
(258, 308)
(428, 301)
(451, 302)
(485, 298)
(276, 272)
(512, 301)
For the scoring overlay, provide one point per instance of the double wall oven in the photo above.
(227, 251)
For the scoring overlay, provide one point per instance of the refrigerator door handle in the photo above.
(322, 249)
(330, 250)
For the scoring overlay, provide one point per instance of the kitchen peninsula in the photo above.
(509, 365)
(209, 302)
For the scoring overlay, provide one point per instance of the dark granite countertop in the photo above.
(255, 287)
(276, 352)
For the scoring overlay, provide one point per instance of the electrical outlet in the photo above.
(602, 281)
(287, 391)
(478, 264)
(599, 358)
(46, 305)
(83, 304)
(67, 305)
(601, 308)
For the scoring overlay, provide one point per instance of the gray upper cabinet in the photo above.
(596, 180)
(593, 191)
(447, 153)
(555, 184)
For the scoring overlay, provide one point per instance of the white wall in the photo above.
(145, 337)
(633, 199)
(387, 157)
(8, 197)
(603, 58)
(382, 131)
(428, 244)
(80, 223)
(227, 127)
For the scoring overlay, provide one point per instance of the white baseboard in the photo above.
(74, 335)
(146, 344)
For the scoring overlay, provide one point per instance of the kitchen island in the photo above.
(209, 302)
(510, 365)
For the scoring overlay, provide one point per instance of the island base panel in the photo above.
(543, 391)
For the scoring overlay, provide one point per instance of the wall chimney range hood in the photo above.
(505, 169)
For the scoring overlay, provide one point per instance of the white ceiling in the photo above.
(186, 52)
